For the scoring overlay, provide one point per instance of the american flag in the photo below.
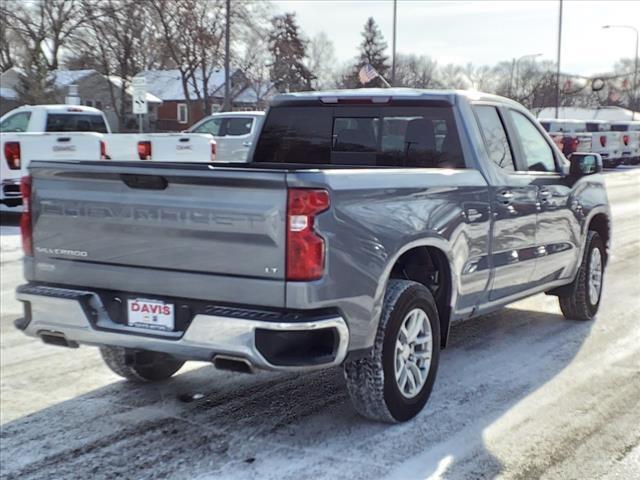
(367, 73)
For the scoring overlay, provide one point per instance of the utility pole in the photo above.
(393, 44)
(226, 105)
(559, 50)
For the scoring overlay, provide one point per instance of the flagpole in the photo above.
(393, 49)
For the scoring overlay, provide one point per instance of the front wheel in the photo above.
(582, 298)
(140, 365)
(394, 381)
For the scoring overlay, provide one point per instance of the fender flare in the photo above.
(435, 242)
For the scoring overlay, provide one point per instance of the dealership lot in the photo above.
(521, 393)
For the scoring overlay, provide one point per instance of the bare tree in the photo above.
(44, 27)
(192, 32)
(321, 61)
(416, 71)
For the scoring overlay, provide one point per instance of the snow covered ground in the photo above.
(520, 394)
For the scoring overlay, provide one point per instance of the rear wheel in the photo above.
(140, 365)
(581, 299)
(393, 383)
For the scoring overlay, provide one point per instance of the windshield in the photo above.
(423, 136)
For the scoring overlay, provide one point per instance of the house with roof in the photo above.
(91, 88)
(177, 113)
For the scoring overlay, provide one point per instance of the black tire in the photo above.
(371, 381)
(140, 365)
(575, 301)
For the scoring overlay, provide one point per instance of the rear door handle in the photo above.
(246, 144)
(505, 197)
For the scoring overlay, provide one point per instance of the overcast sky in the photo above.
(482, 32)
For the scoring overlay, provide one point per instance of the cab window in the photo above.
(495, 137)
(18, 122)
(538, 154)
(237, 126)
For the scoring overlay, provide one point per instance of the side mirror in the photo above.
(585, 164)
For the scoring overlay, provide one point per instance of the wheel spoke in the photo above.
(415, 374)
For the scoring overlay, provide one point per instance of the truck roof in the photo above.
(395, 93)
(59, 108)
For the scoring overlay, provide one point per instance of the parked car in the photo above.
(630, 131)
(354, 237)
(234, 133)
(79, 126)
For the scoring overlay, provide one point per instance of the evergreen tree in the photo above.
(36, 85)
(288, 50)
(372, 51)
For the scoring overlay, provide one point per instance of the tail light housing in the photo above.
(603, 140)
(625, 139)
(103, 150)
(144, 150)
(25, 221)
(305, 248)
(12, 155)
(214, 150)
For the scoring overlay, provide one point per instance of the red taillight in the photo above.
(214, 149)
(144, 150)
(25, 220)
(305, 248)
(603, 140)
(103, 150)
(12, 155)
(625, 139)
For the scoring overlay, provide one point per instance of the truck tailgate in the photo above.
(171, 220)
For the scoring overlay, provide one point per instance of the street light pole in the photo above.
(558, 59)
(634, 105)
(226, 104)
(393, 45)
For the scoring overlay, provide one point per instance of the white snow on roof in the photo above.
(8, 93)
(63, 78)
(248, 95)
(117, 82)
(167, 84)
(577, 113)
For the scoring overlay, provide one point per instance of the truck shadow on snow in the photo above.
(210, 424)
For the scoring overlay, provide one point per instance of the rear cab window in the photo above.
(389, 136)
(75, 122)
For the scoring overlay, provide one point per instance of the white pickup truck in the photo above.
(594, 136)
(630, 131)
(45, 132)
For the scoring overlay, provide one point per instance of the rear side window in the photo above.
(424, 137)
(75, 122)
(18, 122)
(495, 137)
(236, 126)
(537, 152)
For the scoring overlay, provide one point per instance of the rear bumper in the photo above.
(10, 192)
(79, 317)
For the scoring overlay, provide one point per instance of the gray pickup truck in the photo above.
(368, 221)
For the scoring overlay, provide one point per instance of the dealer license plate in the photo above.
(152, 314)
